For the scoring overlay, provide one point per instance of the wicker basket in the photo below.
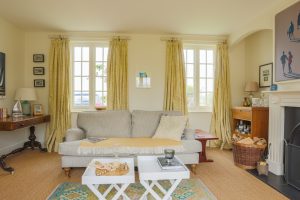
(246, 156)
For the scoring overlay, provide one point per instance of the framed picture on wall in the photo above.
(265, 75)
(38, 57)
(2, 74)
(38, 71)
(287, 44)
(39, 82)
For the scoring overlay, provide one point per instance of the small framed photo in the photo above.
(37, 109)
(265, 75)
(38, 71)
(38, 57)
(39, 82)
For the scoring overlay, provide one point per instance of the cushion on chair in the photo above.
(108, 124)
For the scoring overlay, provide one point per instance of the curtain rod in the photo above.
(193, 39)
(79, 36)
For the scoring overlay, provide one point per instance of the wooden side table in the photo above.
(11, 124)
(203, 137)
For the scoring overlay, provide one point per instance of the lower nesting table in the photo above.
(120, 183)
(150, 173)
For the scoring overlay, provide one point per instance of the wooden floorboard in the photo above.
(37, 174)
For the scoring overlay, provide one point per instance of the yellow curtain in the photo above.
(59, 96)
(117, 95)
(175, 91)
(221, 115)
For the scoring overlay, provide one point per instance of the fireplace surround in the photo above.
(279, 101)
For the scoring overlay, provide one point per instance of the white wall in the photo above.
(12, 44)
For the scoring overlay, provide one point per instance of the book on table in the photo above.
(173, 164)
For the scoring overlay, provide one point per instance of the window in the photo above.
(199, 66)
(89, 75)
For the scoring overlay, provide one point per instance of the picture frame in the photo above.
(38, 70)
(2, 75)
(39, 82)
(287, 44)
(265, 75)
(37, 109)
(38, 57)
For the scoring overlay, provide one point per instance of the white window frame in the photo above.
(197, 48)
(92, 73)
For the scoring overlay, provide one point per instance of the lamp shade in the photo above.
(251, 86)
(25, 94)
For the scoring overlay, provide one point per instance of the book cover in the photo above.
(164, 164)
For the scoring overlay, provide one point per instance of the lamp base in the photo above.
(26, 107)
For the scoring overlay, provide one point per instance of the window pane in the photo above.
(202, 56)
(190, 100)
(85, 54)
(105, 84)
(210, 85)
(105, 69)
(190, 56)
(99, 69)
(209, 99)
(77, 68)
(99, 85)
(105, 54)
(202, 71)
(85, 84)
(202, 85)
(77, 53)
(77, 83)
(85, 69)
(210, 56)
(85, 98)
(184, 54)
(210, 71)
(190, 86)
(99, 54)
(77, 98)
(190, 70)
(202, 99)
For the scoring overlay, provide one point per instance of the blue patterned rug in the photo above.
(192, 189)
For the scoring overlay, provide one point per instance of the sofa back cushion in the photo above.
(145, 123)
(106, 124)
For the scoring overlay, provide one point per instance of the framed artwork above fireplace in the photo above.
(287, 44)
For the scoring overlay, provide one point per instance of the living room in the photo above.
(27, 29)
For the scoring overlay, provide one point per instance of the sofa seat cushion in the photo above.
(145, 123)
(107, 124)
(71, 148)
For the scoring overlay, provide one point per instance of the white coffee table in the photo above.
(150, 171)
(92, 181)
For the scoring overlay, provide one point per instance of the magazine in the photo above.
(164, 164)
(95, 139)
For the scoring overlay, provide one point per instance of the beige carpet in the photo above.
(37, 174)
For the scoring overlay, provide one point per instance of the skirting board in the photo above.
(10, 148)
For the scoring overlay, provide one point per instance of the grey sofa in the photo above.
(119, 124)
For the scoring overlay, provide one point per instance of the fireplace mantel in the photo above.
(278, 100)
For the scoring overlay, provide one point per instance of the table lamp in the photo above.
(251, 87)
(25, 95)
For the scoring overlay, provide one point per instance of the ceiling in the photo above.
(201, 17)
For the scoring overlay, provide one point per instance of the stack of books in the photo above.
(174, 164)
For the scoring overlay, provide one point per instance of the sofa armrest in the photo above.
(189, 134)
(74, 134)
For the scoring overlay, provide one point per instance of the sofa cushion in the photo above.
(145, 123)
(171, 127)
(71, 148)
(105, 123)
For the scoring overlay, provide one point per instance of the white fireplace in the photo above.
(278, 100)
